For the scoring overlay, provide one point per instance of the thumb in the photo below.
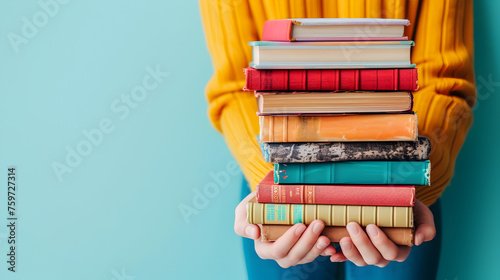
(241, 225)
(425, 230)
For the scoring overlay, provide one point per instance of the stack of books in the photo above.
(335, 110)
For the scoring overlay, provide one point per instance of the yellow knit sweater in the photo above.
(441, 29)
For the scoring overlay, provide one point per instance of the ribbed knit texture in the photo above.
(441, 29)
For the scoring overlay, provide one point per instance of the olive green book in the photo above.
(331, 215)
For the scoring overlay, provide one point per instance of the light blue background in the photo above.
(117, 213)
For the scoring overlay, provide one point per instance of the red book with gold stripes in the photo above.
(368, 195)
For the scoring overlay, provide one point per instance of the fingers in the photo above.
(385, 246)
(363, 244)
(350, 252)
(329, 251)
(318, 248)
(359, 249)
(372, 249)
(338, 257)
(424, 223)
(279, 249)
(305, 246)
(310, 246)
(241, 225)
(250, 231)
(300, 244)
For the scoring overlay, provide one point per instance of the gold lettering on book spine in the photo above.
(310, 195)
(276, 190)
(299, 190)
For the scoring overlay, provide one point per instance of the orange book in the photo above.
(339, 128)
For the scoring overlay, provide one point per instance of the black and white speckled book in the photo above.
(346, 151)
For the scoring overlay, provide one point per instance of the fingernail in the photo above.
(346, 245)
(330, 251)
(321, 245)
(299, 230)
(318, 227)
(419, 239)
(352, 229)
(372, 231)
(250, 231)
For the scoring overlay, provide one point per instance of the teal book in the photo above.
(354, 172)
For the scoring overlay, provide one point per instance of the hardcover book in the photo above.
(346, 151)
(400, 236)
(339, 128)
(369, 195)
(331, 79)
(334, 29)
(354, 172)
(331, 55)
(331, 215)
(297, 103)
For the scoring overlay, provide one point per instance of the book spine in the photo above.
(339, 128)
(331, 79)
(346, 151)
(331, 215)
(277, 30)
(354, 172)
(400, 236)
(337, 194)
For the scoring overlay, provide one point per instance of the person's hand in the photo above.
(299, 245)
(375, 248)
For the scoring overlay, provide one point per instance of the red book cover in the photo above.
(277, 30)
(367, 195)
(331, 79)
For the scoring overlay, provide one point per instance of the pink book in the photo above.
(335, 29)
